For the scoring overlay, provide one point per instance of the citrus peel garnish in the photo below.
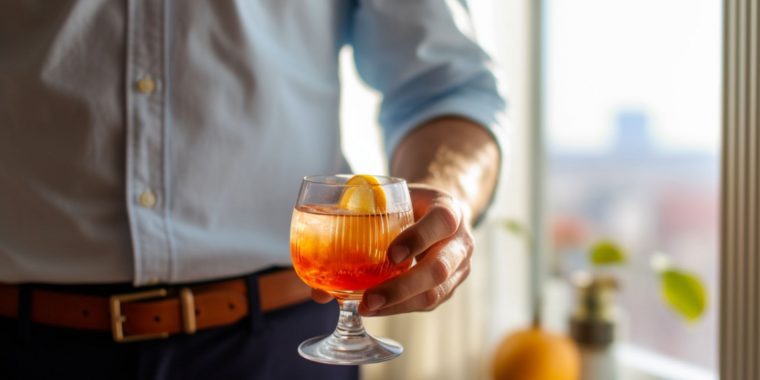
(363, 194)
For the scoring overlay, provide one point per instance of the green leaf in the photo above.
(517, 228)
(684, 293)
(606, 253)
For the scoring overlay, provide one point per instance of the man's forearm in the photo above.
(453, 154)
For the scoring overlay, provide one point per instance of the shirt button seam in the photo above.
(146, 85)
(147, 199)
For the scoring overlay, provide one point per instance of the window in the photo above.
(632, 116)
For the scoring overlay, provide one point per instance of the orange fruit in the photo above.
(535, 354)
(363, 194)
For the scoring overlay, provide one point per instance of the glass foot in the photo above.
(352, 350)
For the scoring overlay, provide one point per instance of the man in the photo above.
(159, 145)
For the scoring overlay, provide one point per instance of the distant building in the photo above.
(632, 138)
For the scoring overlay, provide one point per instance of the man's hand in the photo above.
(440, 241)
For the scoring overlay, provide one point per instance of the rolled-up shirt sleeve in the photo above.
(420, 54)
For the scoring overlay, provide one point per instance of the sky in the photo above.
(660, 57)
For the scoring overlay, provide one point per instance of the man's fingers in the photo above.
(320, 296)
(440, 263)
(427, 300)
(439, 222)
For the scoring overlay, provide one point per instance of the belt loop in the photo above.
(24, 320)
(255, 316)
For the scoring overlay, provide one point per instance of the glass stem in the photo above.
(349, 321)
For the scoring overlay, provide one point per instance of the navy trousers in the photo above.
(261, 346)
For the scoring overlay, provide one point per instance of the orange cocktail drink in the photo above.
(343, 252)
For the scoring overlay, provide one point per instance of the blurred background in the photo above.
(629, 103)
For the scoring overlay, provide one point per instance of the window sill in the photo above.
(638, 363)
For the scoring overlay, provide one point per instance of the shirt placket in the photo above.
(147, 190)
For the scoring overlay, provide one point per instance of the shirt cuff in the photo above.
(486, 110)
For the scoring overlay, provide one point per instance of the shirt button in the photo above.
(146, 85)
(147, 199)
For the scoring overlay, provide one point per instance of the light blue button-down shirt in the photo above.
(165, 141)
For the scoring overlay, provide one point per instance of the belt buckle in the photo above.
(118, 319)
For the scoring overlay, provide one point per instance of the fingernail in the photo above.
(398, 253)
(375, 301)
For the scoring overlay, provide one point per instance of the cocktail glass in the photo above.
(340, 231)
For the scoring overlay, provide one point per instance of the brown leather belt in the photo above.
(159, 312)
